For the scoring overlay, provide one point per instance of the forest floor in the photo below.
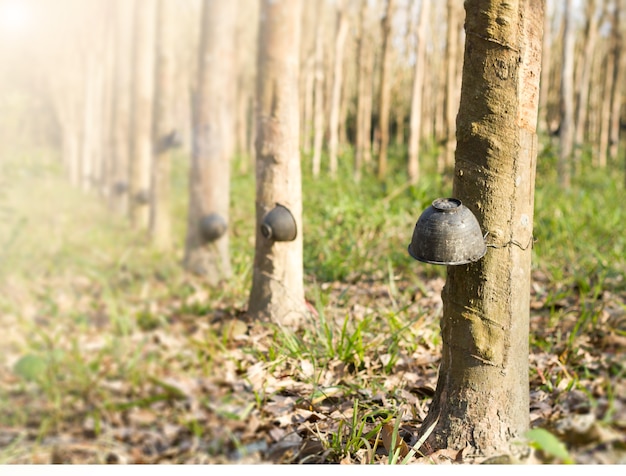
(110, 353)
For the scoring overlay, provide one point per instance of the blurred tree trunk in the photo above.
(140, 160)
(277, 290)
(595, 100)
(384, 94)
(318, 105)
(617, 84)
(245, 39)
(121, 107)
(584, 83)
(107, 140)
(91, 121)
(418, 90)
(546, 58)
(566, 129)
(482, 395)
(165, 135)
(364, 92)
(214, 142)
(335, 100)
(608, 67)
(451, 67)
(307, 73)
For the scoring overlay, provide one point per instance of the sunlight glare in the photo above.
(14, 16)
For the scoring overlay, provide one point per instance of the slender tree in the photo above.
(207, 242)
(364, 92)
(384, 92)
(451, 68)
(142, 103)
(546, 57)
(318, 92)
(417, 92)
(335, 101)
(165, 136)
(482, 395)
(566, 130)
(584, 81)
(120, 116)
(618, 81)
(277, 290)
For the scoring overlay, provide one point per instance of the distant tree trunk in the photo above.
(310, 19)
(482, 395)
(277, 290)
(108, 81)
(214, 143)
(418, 90)
(582, 104)
(335, 101)
(164, 131)
(364, 93)
(605, 108)
(246, 36)
(566, 131)
(451, 65)
(595, 100)
(121, 108)
(384, 97)
(546, 57)
(142, 97)
(307, 109)
(90, 124)
(617, 85)
(318, 106)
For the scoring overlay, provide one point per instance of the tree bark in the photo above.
(335, 101)
(618, 81)
(214, 142)
(164, 130)
(546, 57)
(277, 290)
(566, 130)
(482, 395)
(584, 83)
(142, 104)
(417, 93)
(384, 97)
(121, 108)
(605, 109)
(364, 93)
(451, 67)
(318, 105)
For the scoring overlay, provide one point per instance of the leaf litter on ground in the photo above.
(107, 364)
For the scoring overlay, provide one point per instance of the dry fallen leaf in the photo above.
(386, 434)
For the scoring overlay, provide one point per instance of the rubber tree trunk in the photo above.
(142, 104)
(451, 68)
(584, 82)
(384, 93)
(566, 131)
(415, 124)
(546, 57)
(335, 100)
(618, 82)
(277, 290)
(364, 92)
(121, 107)
(482, 395)
(318, 101)
(608, 68)
(207, 254)
(164, 134)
